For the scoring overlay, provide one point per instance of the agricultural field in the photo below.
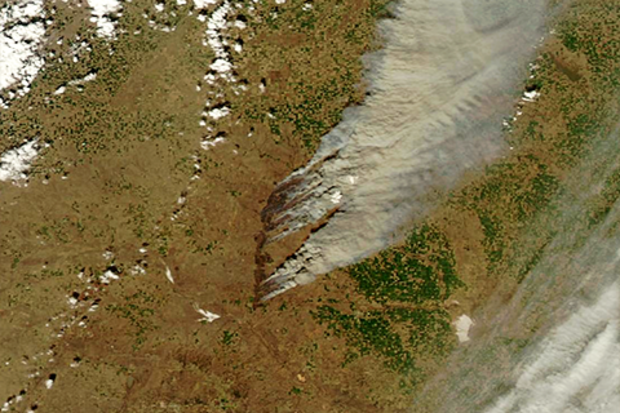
(131, 244)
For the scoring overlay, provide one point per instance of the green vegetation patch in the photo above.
(401, 318)
(422, 270)
(513, 192)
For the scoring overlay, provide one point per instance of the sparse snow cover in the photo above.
(100, 15)
(15, 162)
(21, 34)
(107, 255)
(77, 49)
(463, 324)
(137, 270)
(218, 22)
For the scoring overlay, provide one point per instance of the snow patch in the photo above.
(216, 23)
(21, 35)
(221, 65)
(169, 275)
(463, 324)
(107, 255)
(218, 113)
(239, 24)
(336, 197)
(101, 13)
(79, 82)
(207, 316)
(108, 277)
(90, 77)
(137, 270)
(14, 163)
(203, 4)
(531, 96)
(208, 143)
(72, 301)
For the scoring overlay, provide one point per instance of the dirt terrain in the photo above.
(127, 226)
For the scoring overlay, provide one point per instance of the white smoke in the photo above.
(577, 368)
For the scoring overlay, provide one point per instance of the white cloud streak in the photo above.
(577, 368)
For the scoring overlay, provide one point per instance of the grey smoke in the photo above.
(449, 72)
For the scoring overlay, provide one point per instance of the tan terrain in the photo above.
(127, 226)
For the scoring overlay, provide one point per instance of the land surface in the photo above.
(115, 190)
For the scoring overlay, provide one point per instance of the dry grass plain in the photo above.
(114, 190)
